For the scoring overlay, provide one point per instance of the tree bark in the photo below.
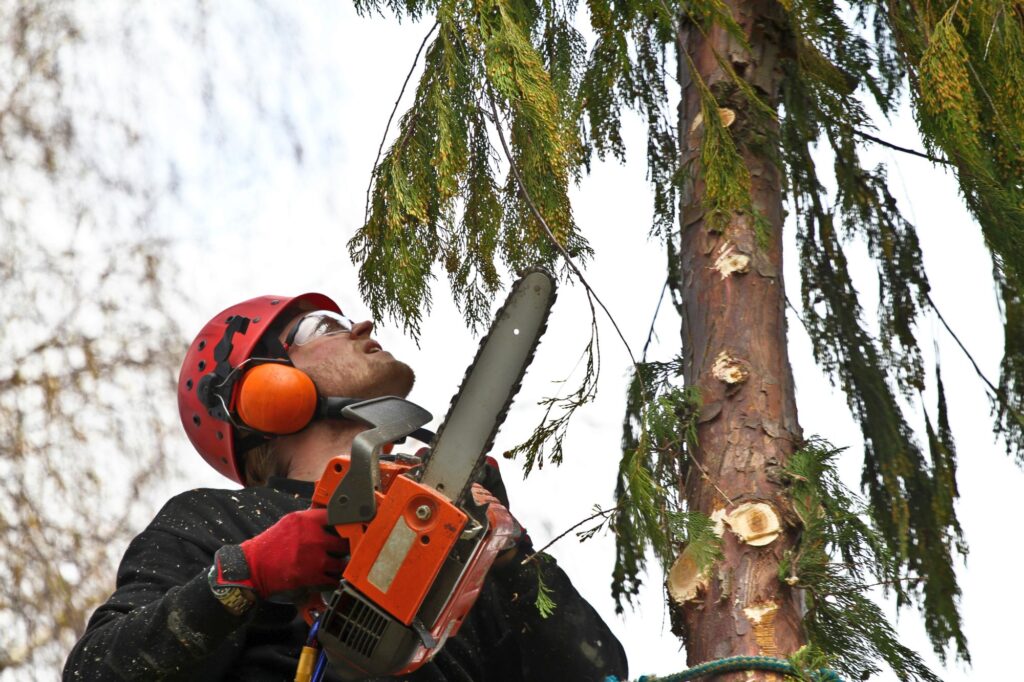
(734, 341)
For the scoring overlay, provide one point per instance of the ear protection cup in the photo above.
(276, 398)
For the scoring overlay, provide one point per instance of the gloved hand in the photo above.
(482, 496)
(299, 551)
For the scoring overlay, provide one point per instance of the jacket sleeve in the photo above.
(570, 644)
(162, 618)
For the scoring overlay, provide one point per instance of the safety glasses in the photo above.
(316, 324)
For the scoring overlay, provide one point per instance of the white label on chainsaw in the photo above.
(392, 555)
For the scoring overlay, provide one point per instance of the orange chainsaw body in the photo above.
(413, 563)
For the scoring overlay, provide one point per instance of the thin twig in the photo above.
(600, 512)
(890, 582)
(905, 150)
(935, 309)
(949, 329)
(547, 229)
(992, 32)
(799, 315)
(984, 91)
(387, 127)
(706, 475)
(673, 19)
(650, 332)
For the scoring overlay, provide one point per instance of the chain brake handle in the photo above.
(389, 418)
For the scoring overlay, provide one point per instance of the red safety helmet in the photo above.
(227, 341)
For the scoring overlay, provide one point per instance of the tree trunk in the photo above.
(734, 340)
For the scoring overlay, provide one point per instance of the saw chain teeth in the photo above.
(500, 419)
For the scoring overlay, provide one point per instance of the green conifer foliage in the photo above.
(446, 194)
(838, 553)
(659, 428)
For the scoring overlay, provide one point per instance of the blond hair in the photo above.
(262, 462)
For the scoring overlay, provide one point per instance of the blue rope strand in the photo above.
(311, 638)
(736, 664)
(321, 660)
(321, 668)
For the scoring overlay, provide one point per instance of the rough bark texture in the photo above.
(734, 336)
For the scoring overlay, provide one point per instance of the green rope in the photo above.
(736, 664)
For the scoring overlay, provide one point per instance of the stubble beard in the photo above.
(398, 381)
(369, 381)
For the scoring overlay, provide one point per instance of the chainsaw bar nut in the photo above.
(423, 512)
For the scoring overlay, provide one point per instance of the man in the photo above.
(195, 597)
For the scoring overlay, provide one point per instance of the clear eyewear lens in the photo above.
(320, 323)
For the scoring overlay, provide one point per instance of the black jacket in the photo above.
(162, 622)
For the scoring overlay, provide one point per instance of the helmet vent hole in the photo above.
(202, 344)
(202, 365)
(220, 435)
(255, 320)
(275, 301)
(196, 420)
(224, 460)
(188, 385)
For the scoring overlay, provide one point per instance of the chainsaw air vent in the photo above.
(354, 623)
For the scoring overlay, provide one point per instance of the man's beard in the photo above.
(369, 381)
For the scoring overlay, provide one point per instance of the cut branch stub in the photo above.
(685, 582)
(755, 523)
(729, 369)
(731, 260)
(727, 116)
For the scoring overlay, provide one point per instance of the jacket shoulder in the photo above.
(217, 516)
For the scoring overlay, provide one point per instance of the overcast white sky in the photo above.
(266, 227)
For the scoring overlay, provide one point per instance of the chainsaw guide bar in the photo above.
(481, 404)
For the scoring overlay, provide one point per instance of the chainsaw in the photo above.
(420, 548)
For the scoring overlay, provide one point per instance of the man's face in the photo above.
(351, 364)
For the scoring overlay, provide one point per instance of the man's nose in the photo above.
(361, 329)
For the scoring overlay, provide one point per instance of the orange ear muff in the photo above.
(276, 398)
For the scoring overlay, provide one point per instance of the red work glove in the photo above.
(299, 551)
